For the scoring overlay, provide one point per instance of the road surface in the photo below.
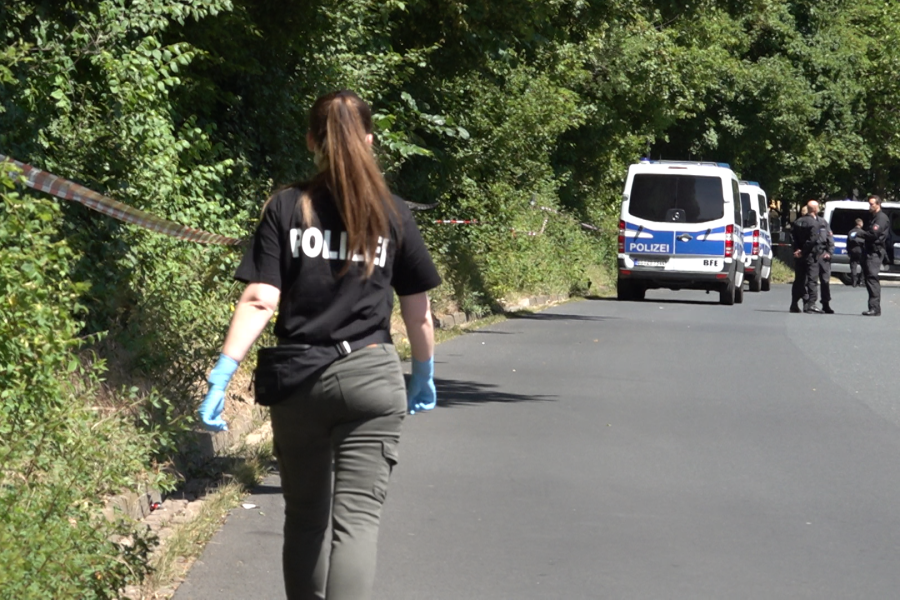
(672, 448)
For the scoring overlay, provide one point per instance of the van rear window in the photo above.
(844, 219)
(653, 197)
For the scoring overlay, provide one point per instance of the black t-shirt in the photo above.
(319, 305)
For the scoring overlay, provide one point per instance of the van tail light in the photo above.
(621, 237)
(756, 243)
(729, 241)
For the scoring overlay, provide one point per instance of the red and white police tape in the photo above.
(68, 190)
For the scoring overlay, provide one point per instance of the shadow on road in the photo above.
(712, 300)
(265, 489)
(464, 393)
(672, 301)
(556, 317)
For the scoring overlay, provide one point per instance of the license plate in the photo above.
(643, 262)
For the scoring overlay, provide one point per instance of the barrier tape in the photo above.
(585, 226)
(68, 190)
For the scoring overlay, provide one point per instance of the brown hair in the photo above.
(875, 197)
(338, 125)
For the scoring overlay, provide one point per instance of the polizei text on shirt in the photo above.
(315, 243)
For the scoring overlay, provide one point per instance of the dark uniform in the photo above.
(807, 237)
(827, 249)
(856, 252)
(875, 237)
(342, 424)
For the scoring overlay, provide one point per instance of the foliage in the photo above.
(59, 451)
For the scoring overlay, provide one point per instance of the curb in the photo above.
(204, 446)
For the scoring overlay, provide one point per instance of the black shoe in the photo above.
(795, 309)
(813, 310)
(827, 309)
(872, 313)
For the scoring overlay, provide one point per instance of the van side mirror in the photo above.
(752, 219)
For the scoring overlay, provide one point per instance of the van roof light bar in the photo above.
(647, 161)
(756, 183)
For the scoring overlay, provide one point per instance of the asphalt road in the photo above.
(672, 448)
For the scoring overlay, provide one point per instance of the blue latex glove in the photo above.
(421, 394)
(211, 408)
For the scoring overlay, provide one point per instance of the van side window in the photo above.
(895, 222)
(738, 211)
(654, 195)
(746, 207)
(763, 211)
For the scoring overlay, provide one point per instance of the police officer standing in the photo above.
(805, 237)
(875, 236)
(826, 250)
(856, 247)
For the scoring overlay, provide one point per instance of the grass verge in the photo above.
(240, 471)
(781, 273)
(173, 559)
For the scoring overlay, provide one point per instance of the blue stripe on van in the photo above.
(703, 242)
(840, 244)
(649, 241)
(765, 242)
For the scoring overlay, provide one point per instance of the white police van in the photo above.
(841, 216)
(681, 228)
(757, 236)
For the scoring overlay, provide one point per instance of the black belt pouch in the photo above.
(281, 370)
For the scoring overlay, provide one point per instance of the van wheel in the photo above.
(766, 284)
(625, 289)
(845, 278)
(639, 292)
(755, 282)
(726, 294)
(738, 294)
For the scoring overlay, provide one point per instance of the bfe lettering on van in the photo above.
(644, 247)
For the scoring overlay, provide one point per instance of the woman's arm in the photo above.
(416, 312)
(254, 310)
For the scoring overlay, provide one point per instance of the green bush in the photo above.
(61, 449)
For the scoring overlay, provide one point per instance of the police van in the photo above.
(841, 216)
(681, 228)
(757, 236)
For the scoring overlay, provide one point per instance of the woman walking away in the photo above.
(326, 254)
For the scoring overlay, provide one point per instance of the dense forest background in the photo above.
(195, 110)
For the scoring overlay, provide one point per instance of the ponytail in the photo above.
(339, 125)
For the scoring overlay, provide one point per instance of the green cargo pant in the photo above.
(336, 441)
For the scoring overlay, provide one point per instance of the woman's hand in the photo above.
(421, 394)
(211, 408)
